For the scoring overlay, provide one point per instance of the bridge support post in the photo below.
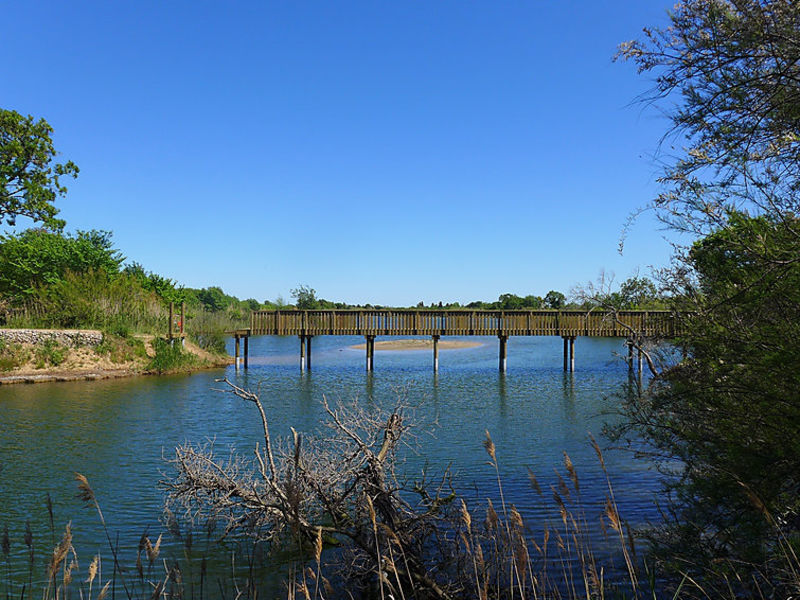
(370, 353)
(236, 352)
(566, 352)
(302, 353)
(503, 352)
(629, 343)
(435, 353)
(246, 351)
(640, 360)
(308, 351)
(572, 354)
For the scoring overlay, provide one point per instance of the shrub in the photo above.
(50, 353)
(12, 356)
(169, 357)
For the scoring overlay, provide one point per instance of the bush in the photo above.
(50, 353)
(12, 356)
(121, 349)
(169, 357)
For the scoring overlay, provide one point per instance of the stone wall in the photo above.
(64, 337)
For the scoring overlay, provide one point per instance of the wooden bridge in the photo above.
(568, 324)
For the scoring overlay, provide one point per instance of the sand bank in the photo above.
(419, 344)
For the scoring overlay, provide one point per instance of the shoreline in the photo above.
(418, 344)
(82, 363)
(55, 376)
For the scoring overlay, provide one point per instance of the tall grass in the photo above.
(497, 557)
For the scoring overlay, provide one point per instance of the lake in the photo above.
(118, 432)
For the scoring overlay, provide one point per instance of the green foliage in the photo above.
(728, 73)
(170, 357)
(163, 287)
(36, 258)
(555, 300)
(12, 356)
(29, 177)
(98, 300)
(213, 299)
(305, 297)
(727, 420)
(121, 349)
(49, 353)
(731, 414)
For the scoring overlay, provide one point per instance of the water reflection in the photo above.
(117, 432)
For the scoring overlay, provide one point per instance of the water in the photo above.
(118, 432)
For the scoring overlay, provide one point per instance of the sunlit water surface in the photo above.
(118, 432)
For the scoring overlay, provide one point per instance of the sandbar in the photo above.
(419, 344)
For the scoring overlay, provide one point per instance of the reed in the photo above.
(495, 556)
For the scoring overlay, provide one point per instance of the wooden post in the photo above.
(171, 319)
(566, 353)
(503, 340)
(183, 325)
(370, 352)
(630, 354)
(308, 352)
(235, 351)
(640, 360)
(246, 351)
(435, 353)
(302, 352)
(572, 354)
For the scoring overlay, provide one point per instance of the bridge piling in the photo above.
(435, 353)
(572, 354)
(302, 353)
(370, 353)
(246, 351)
(503, 352)
(566, 353)
(308, 352)
(629, 343)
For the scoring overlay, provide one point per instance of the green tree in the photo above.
(305, 297)
(726, 420)
(555, 299)
(213, 299)
(36, 257)
(29, 175)
(637, 292)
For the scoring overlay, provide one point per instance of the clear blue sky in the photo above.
(383, 152)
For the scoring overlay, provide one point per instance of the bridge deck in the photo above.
(565, 323)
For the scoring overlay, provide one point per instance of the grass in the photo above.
(170, 357)
(497, 557)
(121, 349)
(49, 354)
(12, 355)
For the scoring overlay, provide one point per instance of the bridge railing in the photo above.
(463, 322)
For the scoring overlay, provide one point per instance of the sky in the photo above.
(379, 152)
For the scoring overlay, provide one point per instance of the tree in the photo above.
(305, 297)
(29, 175)
(213, 299)
(726, 420)
(555, 299)
(637, 292)
(36, 257)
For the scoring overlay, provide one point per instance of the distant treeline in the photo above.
(634, 293)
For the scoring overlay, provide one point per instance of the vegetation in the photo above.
(726, 421)
(170, 357)
(29, 177)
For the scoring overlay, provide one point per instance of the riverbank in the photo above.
(26, 362)
(419, 344)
